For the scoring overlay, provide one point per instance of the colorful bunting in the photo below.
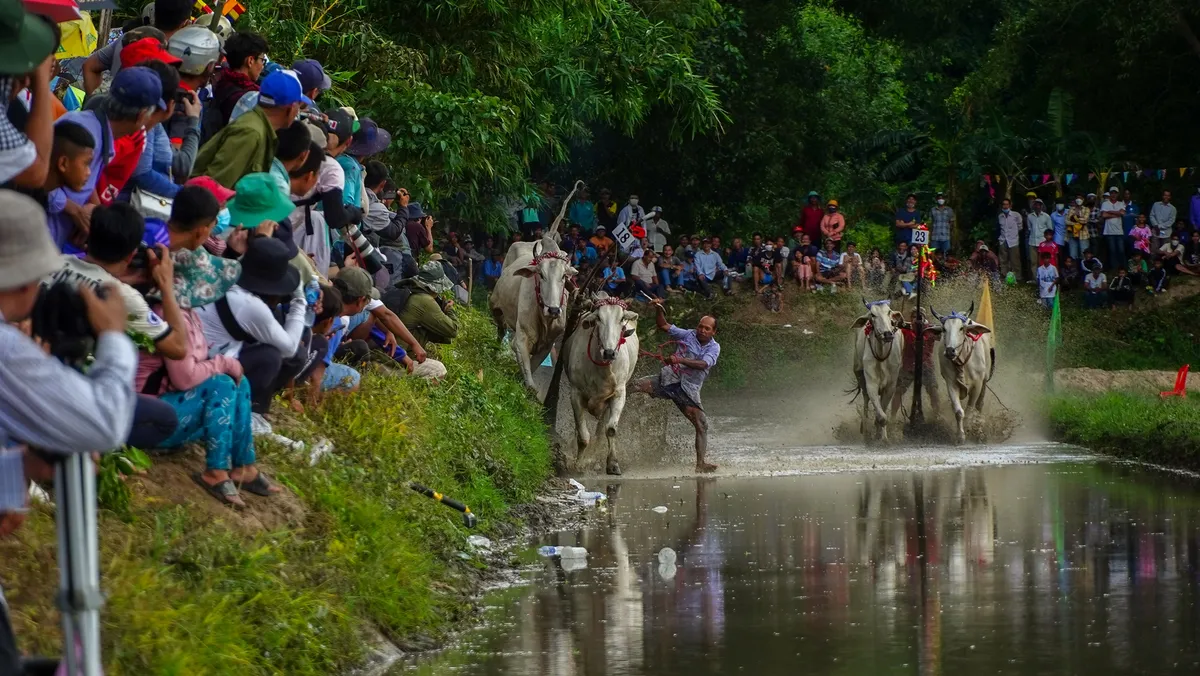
(1070, 179)
(1182, 171)
(233, 9)
(1125, 176)
(202, 7)
(1045, 178)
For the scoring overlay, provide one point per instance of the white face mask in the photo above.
(1059, 207)
(941, 202)
(1078, 203)
(633, 202)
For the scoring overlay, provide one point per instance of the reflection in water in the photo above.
(1033, 569)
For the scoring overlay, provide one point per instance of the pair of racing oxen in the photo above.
(966, 361)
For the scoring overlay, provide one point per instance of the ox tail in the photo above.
(859, 388)
(992, 359)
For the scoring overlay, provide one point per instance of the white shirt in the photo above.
(1047, 275)
(845, 259)
(256, 319)
(1113, 226)
(1094, 282)
(142, 320)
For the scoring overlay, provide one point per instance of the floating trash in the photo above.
(659, 509)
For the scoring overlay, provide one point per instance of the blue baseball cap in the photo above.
(137, 87)
(312, 75)
(281, 88)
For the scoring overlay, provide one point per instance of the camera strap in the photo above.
(235, 331)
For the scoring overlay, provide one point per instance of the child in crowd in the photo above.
(1121, 289)
(1095, 286)
(70, 167)
(614, 279)
(902, 266)
(1048, 246)
(1158, 277)
(1137, 269)
(853, 265)
(1047, 277)
(1070, 274)
(876, 269)
(1140, 234)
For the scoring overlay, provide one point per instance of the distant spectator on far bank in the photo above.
(583, 210)
(941, 224)
(907, 218)
(810, 217)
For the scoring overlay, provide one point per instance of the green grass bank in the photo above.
(190, 593)
(1130, 426)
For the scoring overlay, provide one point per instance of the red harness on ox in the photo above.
(601, 303)
(537, 279)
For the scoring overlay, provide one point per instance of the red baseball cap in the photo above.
(145, 49)
(219, 191)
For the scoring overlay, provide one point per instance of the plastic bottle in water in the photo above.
(564, 552)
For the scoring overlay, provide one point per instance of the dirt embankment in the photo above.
(1097, 381)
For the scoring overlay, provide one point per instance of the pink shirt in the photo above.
(832, 226)
(1141, 238)
(193, 369)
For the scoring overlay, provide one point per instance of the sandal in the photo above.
(259, 485)
(225, 491)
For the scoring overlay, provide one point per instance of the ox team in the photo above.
(531, 299)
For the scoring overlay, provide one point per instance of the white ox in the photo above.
(967, 363)
(878, 350)
(601, 356)
(530, 299)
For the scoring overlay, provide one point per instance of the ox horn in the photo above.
(935, 314)
(971, 311)
(865, 303)
(537, 248)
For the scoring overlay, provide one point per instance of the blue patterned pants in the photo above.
(216, 411)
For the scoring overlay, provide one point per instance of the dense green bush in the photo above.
(1136, 427)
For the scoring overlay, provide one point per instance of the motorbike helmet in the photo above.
(148, 14)
(197, 46)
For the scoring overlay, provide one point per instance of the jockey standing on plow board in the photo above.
(684, 373)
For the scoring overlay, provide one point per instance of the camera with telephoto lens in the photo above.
(372, 260)
(60, 319)
(141, 258)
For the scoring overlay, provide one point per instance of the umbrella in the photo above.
(58, 11)
(78, 38)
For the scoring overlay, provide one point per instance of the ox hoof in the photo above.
(613, 468)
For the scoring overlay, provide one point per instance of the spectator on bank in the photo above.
(941, 224)
(245, 60)
(583, 211)
(1172, 253)
(1194, 209)
(710, 269)
(1010, 224)
(1047, 246)
(907, 219)
(1112, 210)
(29, 53)
(631, 212)
(669, 268)
(310, 230)
(492, 268)
(1141, 235)
(1090, 262)
(1070, 275)
(1079, 237)
(1095, 285)
(657, 230)
(418, 303)
(902, 269)
(370, 318)
(876, 269)
(1095, 222)
(606, 210)
(1059, 220)
(645, 277)
(833, 224)
(70, 160)
(1163, 215)
(830, 271)
(614, 278)
(984, 261)
(249, 143)
(199, 50)
(1158, 277)
(809, 222)
(1037, 222)
(243, 324)
(601, 241)
(152, 174)
(1132, 211)
(170, 16)
(419, 229)
(1120, 292)
(1047, 278)
(1191, 257)
(1137, 269)
(852, 263)
(768, 268)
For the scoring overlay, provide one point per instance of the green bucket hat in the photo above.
(258, 199)
(200, 278)
(25, 39)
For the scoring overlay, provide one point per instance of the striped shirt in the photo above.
(939, 223)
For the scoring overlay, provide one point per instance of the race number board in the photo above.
(624, 238)
(920, 237)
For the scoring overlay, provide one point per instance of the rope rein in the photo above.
(677, 368)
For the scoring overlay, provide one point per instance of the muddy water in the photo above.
(989, 562)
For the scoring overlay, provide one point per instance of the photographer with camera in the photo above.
(341, 211)
(115, 253)
(43, 403)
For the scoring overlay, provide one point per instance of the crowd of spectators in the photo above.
(254, 245)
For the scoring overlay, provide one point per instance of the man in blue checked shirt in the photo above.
(43, 403)
(941, 223)
(710, 269)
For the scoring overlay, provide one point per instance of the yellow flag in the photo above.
(1103, 178)
(1182, 171)
(984, 315)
